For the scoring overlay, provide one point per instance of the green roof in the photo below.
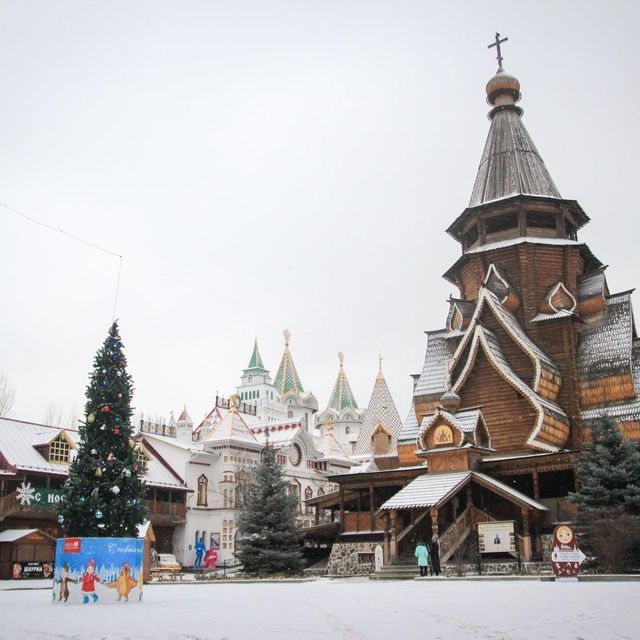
(287, 378)
(256, 360)
(342, 396)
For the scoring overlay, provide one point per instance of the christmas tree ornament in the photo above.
(103, 427)
(61, 519)
(100, 525)
(110, 457)
(93, 452)
(116, 431)
(106, 408)
(99, 514)
(115, 489)
(91, 417)
(99, 472)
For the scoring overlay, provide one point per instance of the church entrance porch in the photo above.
(451, 505)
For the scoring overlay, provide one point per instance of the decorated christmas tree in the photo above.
(268, 542)
(104, 493)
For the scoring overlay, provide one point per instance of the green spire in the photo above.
(342, 396)
(256, 360)
(287, 378)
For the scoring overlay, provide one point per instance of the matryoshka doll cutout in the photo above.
(566, 557)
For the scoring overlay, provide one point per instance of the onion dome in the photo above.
(503, 90)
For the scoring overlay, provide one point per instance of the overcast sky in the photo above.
(287, 165)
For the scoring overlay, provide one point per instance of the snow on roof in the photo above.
(410, 429)
(605, 342)
(431, 490)
(501, 244)
(11, 535)
(563, 313)
(17, 445)
(281, 434)
(427, 490)
(592, 284)
(381, 410)
(232, 427)
(628, 410)
(433, 379)
(510, 163)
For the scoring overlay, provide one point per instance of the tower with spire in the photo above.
(534, 349)
(342, 415)
(380, 417)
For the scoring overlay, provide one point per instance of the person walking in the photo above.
(435, 555)
(423, 558)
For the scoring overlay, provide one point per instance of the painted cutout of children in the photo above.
(422, 554)
(89, 580)
(211, 559)
(200, 549)
(63, 580)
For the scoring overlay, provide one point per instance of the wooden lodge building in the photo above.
(34, 462)
(533, 350)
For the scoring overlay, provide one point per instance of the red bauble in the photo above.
(106, 408)
(116, 431)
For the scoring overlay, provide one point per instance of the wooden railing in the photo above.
(8, 504)
(357, 521)
(457, 533)
(173, 509)
(412, 525)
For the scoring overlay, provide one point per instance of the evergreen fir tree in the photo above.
(104, 493)
(268, 542)
(609, 472)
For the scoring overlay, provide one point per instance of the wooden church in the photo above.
(533, 350)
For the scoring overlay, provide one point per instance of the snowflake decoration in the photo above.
(26, 494)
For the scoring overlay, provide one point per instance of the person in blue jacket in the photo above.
(200, 549)
(423, 558)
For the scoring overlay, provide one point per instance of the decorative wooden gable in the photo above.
(543, 378)
(498, 283)
(557, 303)
(444, 429)
(592, 292)
(381, 440)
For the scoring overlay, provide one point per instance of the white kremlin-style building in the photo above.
(214, 458)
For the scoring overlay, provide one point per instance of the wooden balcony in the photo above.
(163, 513)
(361, 522)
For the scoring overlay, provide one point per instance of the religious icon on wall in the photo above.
(443, 435)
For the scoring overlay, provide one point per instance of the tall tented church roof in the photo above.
(287, 378)
(510, 164)
(342, 396)
(256, 360)
(381, 409)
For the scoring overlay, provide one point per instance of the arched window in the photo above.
(308, 493)
(320, 491)
(347, 429)
(203, 484)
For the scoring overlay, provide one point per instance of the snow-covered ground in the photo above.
(340, 609)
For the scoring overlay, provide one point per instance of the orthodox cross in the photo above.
(341, 357)
(380, 361)
(287, 337)
(497, 44)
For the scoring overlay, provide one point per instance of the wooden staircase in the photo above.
(405, 567)
(458, 532)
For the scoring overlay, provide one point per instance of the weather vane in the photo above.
(497, 44)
